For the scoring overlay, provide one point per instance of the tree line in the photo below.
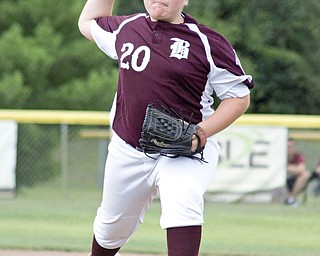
(46, 64)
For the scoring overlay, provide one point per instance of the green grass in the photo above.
(41, 219)
(261, 229)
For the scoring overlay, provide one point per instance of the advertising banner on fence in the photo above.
(253, 159)
(8, 155)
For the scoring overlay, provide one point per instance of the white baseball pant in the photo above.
(132, 180)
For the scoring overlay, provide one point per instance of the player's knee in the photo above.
(113, 232)
(107, 236)
(305, 175)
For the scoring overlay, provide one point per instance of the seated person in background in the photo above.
(297, 174)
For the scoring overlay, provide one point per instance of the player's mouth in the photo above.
(160, 4)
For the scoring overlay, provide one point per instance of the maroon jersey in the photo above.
(178, 65)
(297, 159)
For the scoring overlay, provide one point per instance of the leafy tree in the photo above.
(277, 43)
(46, 63)
(281, 40)
(127, 7)
(44, 55)
(91, 91)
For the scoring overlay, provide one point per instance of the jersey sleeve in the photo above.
(238, 91)
(104, 31)
(105, 40)
(299, 158)
(227, 75)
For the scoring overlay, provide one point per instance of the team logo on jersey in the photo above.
(179, 49)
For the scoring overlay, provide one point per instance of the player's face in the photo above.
(165, 10)
(291, 149)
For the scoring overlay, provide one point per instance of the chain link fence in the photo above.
(70, 155)
(59, 151)
(66, 156)
(60, 157)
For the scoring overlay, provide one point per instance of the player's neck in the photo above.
(178, 20)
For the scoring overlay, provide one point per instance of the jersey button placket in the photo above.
(156, 34)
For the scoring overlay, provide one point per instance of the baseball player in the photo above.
(164, 55)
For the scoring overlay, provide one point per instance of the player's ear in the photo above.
(186, 2)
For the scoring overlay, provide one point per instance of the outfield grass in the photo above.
(41, 219)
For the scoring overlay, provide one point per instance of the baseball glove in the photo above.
(165, 133)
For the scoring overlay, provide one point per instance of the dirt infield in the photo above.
(52, 253)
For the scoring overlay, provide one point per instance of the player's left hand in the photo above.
(170, 136)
